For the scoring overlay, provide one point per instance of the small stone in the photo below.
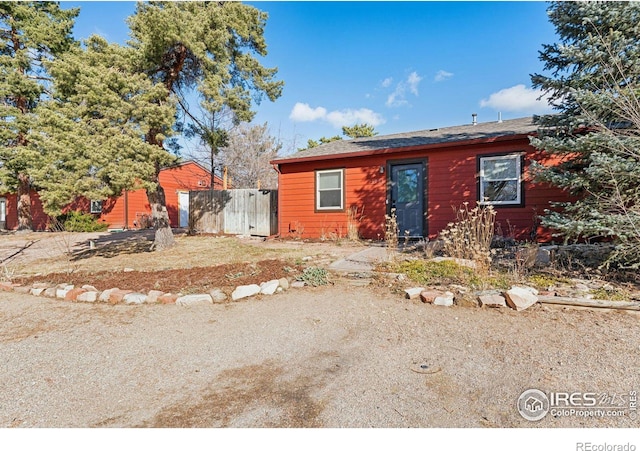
(73, 294)
(284, 283)
(6, 286)
(445, 300)
(118, 295)
(36, 291)
(89, 288)
(269, 287)
(42, 285)
(21, 289)
(218, 296)
(413, 293)
(128, 270)
(168, 298)
(88, 296)
(307, 258)
(62, 290)
(428, 296)
(543, 256)
(298, 284)
(153, 296)
(581, 287)
(492, 300)
(134, 298)
(244, 291)
(104, 296)
(50, 292)
(194, 299)
(521, 298)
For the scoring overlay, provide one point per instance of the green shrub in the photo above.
(314, 276)
(76, 221)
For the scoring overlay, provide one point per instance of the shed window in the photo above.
(330, 189)
(501, 180)
(96, 206)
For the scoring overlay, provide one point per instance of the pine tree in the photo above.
(31, 33)
(89, 133)
(209, 47)
(594, 80)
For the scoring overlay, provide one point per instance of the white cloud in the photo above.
(518, 98)
(413, 81)
(302, 112)
(387, 82)
(351, 117)
(442, 75)
(399, 96)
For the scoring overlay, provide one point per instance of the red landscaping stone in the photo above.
(8, 286)
(168, 298)
(428, 296)
(117, 296)
(72, 295)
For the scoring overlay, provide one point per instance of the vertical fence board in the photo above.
(236, 212)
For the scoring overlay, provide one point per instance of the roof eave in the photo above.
(386, 151)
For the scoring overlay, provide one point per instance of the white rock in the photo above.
(194, 299)
(104, 296)
(445, 300)
(284, 283)
(521, 298)
(36, 291)
(307, 258)
(217, 295)
(413, 293)
(244, 291)
(269, 287)
(88, 296)
(61, 293)
(153, 295)
(134, 298)
(298, 284)
(89, 288)
(492, 300)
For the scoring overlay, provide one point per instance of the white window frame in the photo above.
(518, 179)
(318, 190)
(93, 210)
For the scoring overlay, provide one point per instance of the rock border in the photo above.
(113, 296)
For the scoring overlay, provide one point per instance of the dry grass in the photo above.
(116, 251)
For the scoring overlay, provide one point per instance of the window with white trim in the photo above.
(501, 180)
(330, 189)
(96, 206)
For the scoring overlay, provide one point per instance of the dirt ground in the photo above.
(340, 356)
(331, 357)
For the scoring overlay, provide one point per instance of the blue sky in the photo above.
(400, 66)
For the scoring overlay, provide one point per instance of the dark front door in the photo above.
(407, 198)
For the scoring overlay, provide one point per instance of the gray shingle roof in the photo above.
(484, 130)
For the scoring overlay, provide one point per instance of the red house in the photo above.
(129, 210)
(423, 175)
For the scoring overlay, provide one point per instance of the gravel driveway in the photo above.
(341, 356)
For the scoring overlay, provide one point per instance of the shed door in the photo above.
(183, 207)
(407, 197)
(3, 213)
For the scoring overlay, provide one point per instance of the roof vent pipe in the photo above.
(474, 118)
(499, 118)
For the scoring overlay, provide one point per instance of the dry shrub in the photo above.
(391, 233)
(470, 235)
(354, 218)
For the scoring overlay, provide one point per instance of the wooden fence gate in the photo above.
(234, 211)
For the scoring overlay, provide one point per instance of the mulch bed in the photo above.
(199, 279)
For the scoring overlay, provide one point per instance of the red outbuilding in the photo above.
(423, 176)
(129, 210)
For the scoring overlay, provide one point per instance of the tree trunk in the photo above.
(24, 203)
(164, 236)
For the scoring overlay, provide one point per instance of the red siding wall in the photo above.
(451, 181)
(185, 177)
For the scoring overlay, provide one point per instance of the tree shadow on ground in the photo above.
(114, 244)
